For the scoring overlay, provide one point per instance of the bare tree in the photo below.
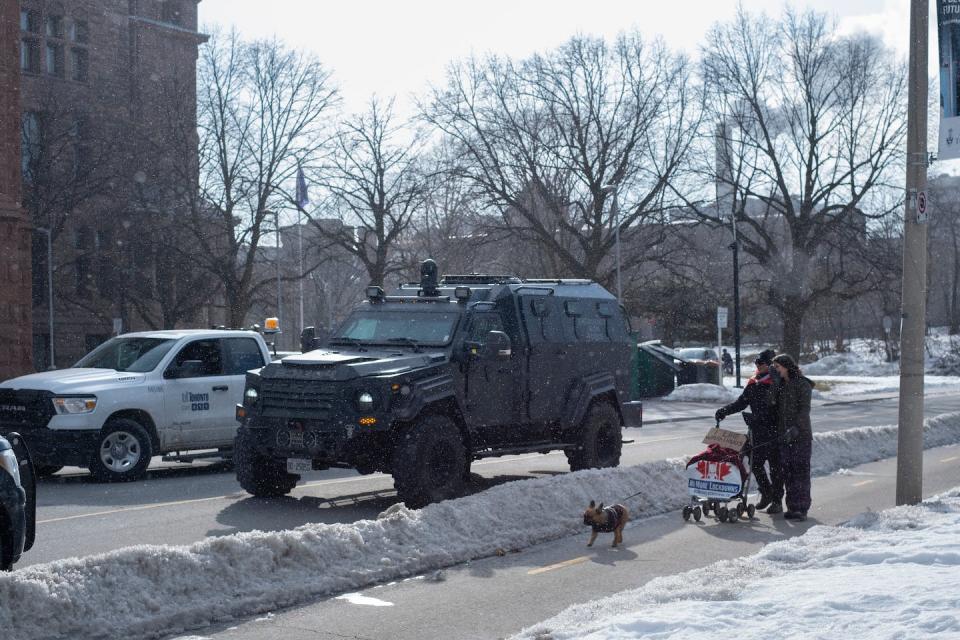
(374, 185)
(262, 110)
(542, 138)
(811, 137)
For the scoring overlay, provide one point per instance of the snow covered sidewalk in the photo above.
(149, 591)
(893, 574)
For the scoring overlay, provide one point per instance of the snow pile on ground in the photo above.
(894, 574)
(851, 364)
(844, 386)
(149, 591)
(702, 392)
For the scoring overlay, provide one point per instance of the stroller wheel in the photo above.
(722, 513)
(697, 513)
(741, 508)
(751, 509)
(687, 511)
(706, 508)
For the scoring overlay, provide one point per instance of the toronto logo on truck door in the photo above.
(196, 401)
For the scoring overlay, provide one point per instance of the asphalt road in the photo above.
(498, 596)
(178, 504)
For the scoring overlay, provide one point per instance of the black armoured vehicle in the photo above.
(420, 383)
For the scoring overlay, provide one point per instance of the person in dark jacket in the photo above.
(792, 401)
(757, 395)
(727, 361)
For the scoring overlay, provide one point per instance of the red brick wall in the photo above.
(15, 303)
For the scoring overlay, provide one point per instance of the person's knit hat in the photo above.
(766, 357)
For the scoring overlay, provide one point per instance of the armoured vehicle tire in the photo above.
(429, 462)
(123, 452)
(600, 440)
(259, 475)
(46, 470)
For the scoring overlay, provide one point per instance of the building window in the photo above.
(172, 13)
(54, 26)
(79, 31)
(30, 55)
(29, 21)
(79, 64)
(29, 144)
(55, 59)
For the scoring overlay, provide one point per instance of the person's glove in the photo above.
(790, 435)
(720, 414)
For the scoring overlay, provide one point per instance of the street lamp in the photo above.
(49, 289)
(612, 188)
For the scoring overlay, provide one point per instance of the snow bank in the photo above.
(702, 392)
(851, 364)
(843, 386)
(893, 574)
(148, 591)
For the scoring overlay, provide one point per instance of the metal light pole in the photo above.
(723, 186)
(736, 296)
(615, 210)
(49, 235)
(276, 215)
(910, 431)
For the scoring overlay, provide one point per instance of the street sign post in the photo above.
(721, 325)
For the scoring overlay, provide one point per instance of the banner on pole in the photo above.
(948, 32)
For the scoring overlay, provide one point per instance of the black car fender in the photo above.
(28, 481)
(425, 392)
(583, 392)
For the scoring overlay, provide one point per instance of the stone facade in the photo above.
(98, 77)
(15, 340)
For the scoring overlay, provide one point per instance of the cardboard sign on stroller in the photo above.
(726, 439)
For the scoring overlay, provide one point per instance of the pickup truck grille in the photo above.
(24, 409)
(300, 398)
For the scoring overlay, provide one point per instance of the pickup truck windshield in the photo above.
(137, 355)
(429, 328)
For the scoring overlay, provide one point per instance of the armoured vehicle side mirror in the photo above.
(307, 337)
(497, 345)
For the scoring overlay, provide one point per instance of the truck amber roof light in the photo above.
(271, 325)
(462, 294)
(375, 293)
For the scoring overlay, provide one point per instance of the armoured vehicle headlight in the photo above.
(74, 405)
(8, 461)
(251, 394)
(365, 401)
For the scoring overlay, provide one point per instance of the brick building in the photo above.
(99, 79)
(15, 341)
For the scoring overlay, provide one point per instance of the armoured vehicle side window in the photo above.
(241, 355)
(541, 315)
(205, 351)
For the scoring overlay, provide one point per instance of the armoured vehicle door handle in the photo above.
(221, 387)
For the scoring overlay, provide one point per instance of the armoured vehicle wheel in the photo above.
(429, 462)
(46, 470)
(123, 452)
(600, 439)
(259, 475)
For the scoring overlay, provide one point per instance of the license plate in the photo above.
(296, 439)
(299, 465)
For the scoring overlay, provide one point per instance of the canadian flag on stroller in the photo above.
(720, 475)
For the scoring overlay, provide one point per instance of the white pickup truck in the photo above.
(135, 396)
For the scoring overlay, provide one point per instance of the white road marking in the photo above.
(863, 482)
(359, 598)
(558, 565)
(950, 459)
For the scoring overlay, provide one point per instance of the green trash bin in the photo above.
(654, 370)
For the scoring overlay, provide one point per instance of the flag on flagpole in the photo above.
(303, 199)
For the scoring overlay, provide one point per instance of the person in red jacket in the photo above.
(757, 395)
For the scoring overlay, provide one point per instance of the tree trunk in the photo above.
(792, 337)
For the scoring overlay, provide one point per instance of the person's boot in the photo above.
(797, 516)
(764, 503)
(775, 508)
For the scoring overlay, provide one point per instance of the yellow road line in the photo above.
(950, 459)
(862, 482)
(559, 565)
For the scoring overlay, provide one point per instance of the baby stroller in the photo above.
(718, 479)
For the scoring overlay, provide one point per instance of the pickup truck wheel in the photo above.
(600, 440)
(429, 462)
(123, 452)
(46, 470)
(259, 475)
